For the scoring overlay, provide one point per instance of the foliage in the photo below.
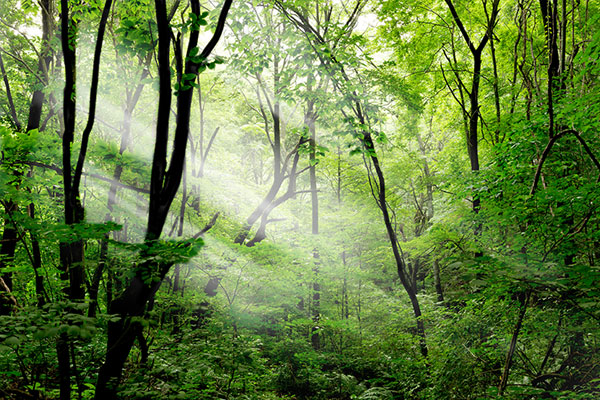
(504, 259)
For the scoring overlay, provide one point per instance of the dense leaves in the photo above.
(322, 135)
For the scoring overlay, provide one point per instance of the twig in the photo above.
(208, 226)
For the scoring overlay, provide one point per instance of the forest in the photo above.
(299, 199)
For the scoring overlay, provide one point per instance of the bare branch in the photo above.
(208, 226)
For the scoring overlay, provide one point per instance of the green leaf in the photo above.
(12, 341)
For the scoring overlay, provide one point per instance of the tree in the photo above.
(274, 58)
(360, 123)
(72, 251)
(473, 114)
(163, 188)
(9, 235)
(317, 310)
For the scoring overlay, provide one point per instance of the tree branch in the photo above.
(93, 95)
(59, 171)
(208, 226)
(546, 152)
(13, 111)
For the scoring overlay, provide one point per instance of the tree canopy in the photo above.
(299, 199)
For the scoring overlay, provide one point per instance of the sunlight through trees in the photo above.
(299, 199)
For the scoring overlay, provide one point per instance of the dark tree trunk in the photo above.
(437, 281)
(523, 299)
(408, 283)
(474, 107)
(177, 288)
(164, 185)
(72, 252)
(277, 171)
(472, 139)
(495, 86)
(279, 165)
(290, 192)
(11, 104)
(7, 255)
(122, 333)
(9, 235)
(37, 100)
(258, 211)
(68, 46)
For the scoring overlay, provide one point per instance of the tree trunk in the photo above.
(437, 281)
(164, 185)
(523, 299)
(122, 333)
(278, 164)
(131, 102)
(9, 234)
(258, 211)
(37, 100)
(11, 104)
(72, 252)
(309, 122)
(290, 192)
(474, 111)
(7, 255)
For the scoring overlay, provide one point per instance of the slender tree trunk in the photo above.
(472, 140)
(290, 192)
(437, 281)
(258, 211)
(339, 176)
(177, 289)
(72, 252)
(68, 46)
(277, 172)
(495, 82)
(64, 366)
(33, 122)
(474, 107)
(309, 122)
(9, 234)
(524, 299)
(7, 255)
(400, 262)
(11, 104)
(37, 100)
(37, 263)
(130, 104)
(278, 165)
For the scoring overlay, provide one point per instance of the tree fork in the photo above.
(163, 188)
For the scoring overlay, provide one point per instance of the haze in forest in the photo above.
(366, 199)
